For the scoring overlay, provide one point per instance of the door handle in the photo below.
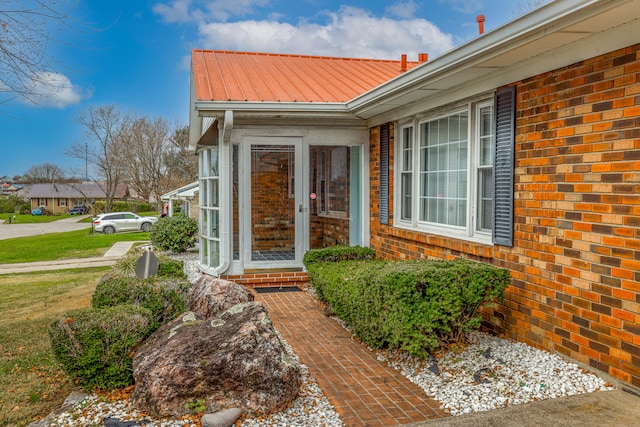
(300, 208)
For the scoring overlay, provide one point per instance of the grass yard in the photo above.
(72, 244)
(33, 219)
(31, 384)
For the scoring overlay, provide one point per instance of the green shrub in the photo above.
(142, 207)
(164, 298)
(338, 253)
(174, 233)
(416, 306)
(119, 206)
(168, 267)
(125, 266)
(13, 203)
(95, 347)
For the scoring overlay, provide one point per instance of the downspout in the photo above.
(225, 194)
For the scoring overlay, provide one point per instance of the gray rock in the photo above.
(234, 360)
(224, 418)
(72, 400)
(210, 296)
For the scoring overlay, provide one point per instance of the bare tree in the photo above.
(181, 163)
(143, 142)
(26, 28)
(102, 125)
(44, 173)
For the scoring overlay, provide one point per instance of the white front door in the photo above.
(275, 215)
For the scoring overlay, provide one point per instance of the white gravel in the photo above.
(489, 373)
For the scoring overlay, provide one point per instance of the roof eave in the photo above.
(308, 109)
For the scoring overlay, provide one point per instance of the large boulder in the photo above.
(233, 360)
(210, 296)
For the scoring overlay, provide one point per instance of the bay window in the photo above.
(446, 188)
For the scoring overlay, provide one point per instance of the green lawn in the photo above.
(31, 383)
(37, 219)
(31, 219)
(72, 244)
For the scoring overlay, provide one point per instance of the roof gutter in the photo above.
(324, 109)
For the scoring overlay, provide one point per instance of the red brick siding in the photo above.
(575, 262)
(272, 210)
(253, 280)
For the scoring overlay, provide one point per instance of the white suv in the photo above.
(110, 223)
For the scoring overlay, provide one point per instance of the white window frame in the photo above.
(470, 231)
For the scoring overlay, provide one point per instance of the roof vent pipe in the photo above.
(480, 20)
(403, 63)
(423, 57)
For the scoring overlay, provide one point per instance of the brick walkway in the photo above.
(364, 391)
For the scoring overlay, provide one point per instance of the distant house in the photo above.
(183, 199)
(59, 198)
(9, 189)
(520, 148)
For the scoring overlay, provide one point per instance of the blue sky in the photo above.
(135, 54)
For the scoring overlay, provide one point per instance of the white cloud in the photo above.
(349, 32)
(404, 9)
(178, 12)
(183, 11)
(465, 6)
(50, 89)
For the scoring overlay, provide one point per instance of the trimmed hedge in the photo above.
(416, 306)
(338, 253)
(174, 233)
(95, 347)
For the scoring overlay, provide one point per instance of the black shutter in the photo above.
(384, 174)
(505, 105)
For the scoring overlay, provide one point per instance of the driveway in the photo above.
(8, 231)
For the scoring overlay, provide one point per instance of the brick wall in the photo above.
(272, 210)
(575, 262)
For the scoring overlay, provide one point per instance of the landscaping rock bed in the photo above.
(489, 373)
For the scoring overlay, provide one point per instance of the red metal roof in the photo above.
(265, 77)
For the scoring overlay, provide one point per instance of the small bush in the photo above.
(165, 299)
(142, 207)
(416, 306)
(338, 253)
(168, 267)
(125, 266)
(174, 233)
(95, 347)
(118, 206)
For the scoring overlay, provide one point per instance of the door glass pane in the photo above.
(272, 203)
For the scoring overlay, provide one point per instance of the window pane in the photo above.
(407, 149)
(214, 224)
(485, 199)
(405, 209)
(213, 162)
(443, 166)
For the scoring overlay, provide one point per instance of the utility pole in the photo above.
(86, 162)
